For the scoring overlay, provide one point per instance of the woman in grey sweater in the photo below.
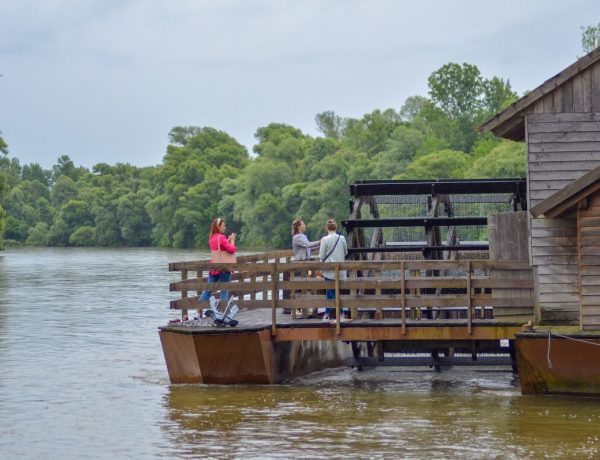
(300, 244)
(302, 248)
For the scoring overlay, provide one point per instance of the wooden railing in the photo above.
(412, 289)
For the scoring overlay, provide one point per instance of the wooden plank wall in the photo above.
(554, 257)
(508, 237)
(580, 94)
(561, 148)
(588, 220)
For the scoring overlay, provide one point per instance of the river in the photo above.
(82, 375)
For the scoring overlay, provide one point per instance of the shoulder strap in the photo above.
(332, 249)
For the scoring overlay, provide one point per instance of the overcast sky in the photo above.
(106, 80)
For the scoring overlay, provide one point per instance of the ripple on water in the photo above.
(83, 376)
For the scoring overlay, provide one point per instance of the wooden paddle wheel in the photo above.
(433, 220)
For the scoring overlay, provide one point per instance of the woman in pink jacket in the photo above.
(218, 241)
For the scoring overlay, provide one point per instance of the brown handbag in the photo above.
(222, 257)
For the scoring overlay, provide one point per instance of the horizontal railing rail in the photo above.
(273, 281)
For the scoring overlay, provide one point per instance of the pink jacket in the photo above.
(214, 243)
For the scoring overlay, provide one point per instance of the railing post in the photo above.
(274, 297)
(337, 299)
(469, 299)
(403, 297)
(184, 294)
(199, 275)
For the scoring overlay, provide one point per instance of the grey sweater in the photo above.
(302, 247)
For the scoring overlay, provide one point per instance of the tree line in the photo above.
(206, 173)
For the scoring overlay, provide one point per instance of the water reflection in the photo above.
(82, 376)
(379, 414)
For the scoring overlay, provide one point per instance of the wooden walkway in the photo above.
(362, 329)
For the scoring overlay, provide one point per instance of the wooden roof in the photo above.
(510, 122)
(565, 199)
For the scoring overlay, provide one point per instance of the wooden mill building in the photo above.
(560, 123)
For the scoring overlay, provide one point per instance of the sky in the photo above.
(106, 80)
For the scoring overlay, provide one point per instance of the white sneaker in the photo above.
(326, 318)
(344, 318)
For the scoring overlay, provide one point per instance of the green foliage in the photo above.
(412, 108)
(330, 125)
(464, 99)
(402, 146)
(506, 160)
(63, 190)
(38, 235)
(83, 236)
(206, 173)
(590, 38)
(3, 145)
(34, 172)
(371, 133)
(447, 164)
(3, 188)
(457, 90)
(188, 186)
(2, 226)
(15, 229)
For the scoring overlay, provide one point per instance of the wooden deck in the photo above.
(362, 329)
(401, 306)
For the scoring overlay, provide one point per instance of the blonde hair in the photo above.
(331, 225)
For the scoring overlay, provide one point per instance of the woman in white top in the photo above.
(333, 249)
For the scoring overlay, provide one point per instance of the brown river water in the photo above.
(82, 376)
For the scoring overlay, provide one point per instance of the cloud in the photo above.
(106, 80)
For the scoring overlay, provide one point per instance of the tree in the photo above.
(38, 235)
(64, 167)
(261, 186)
(446, 164)
(134, 221)
(330, 125)
(188, 186)
(590, 38)
(465, 98)
(35, 172)
(63, 190)
(83, 236)
(412, 108)
(3, 145)
(506, 160)
(497, 95)
(402, 146)
(371, 133)
(457, 90)
(180, 135)
(3, 187)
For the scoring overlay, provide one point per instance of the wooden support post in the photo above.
(354, 310)
(469, 299)
(379, 310)
(274, 298)
(265, 294)
(403, 297)
(199, 274)
(337, 299)
(184, 294)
